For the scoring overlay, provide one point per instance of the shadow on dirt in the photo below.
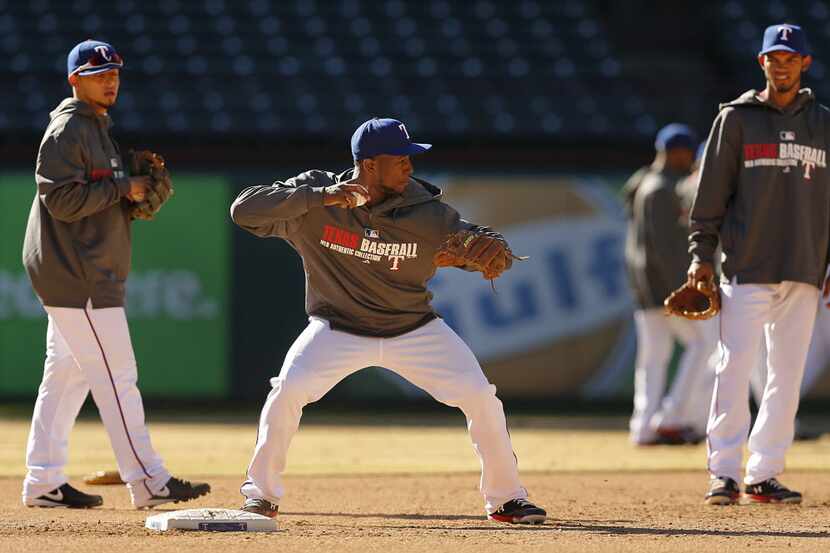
(584, 526)
(633, 530)
(396, 516)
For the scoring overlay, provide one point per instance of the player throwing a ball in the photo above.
(367, 266)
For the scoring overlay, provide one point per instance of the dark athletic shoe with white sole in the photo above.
(65, 496)
(770, 491)
(681, 435)
(174, 491)
(260, 507)
(722, 491)
(519, 511)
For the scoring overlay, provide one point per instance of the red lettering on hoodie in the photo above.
(340, 237)
(760, 151)
(98, 174)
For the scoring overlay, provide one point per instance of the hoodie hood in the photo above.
(75, 106)
(750, 98)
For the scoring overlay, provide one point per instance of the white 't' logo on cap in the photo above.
(403, 130)
(784, 32)
(104, 52)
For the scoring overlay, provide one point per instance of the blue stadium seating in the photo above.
(558, 70)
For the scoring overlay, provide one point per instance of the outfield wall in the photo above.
(213, 309)
(177, 293)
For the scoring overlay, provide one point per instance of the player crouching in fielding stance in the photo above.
(367, 266)
(77, 255)
(765, 194)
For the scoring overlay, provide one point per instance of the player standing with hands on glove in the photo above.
(367, 266)
(77, 254)
(764, 194)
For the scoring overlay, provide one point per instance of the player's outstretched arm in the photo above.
(63, 185)
(266, 210)
(279, 209)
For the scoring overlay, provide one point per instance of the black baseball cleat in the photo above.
(722, 491)
(677, 435)
(519, 511)
(770, 491)
(805, 433)
(174, 491)
(65, 496)
(260, 507)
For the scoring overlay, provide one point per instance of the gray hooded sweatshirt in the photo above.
(655, 247)
(765, 191)
(77, 244)
(366, 268)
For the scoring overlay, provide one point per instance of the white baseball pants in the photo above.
(687, 402)
(89, 349)
(818, 356)
(781, 316)
(432, 357)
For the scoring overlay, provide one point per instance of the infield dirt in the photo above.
(435, 507)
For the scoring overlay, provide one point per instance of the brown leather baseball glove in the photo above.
(145, 162)
(695, 303)
(103, 478)
(488, 254)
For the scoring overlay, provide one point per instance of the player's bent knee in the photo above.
(478, 396)
(292, 390)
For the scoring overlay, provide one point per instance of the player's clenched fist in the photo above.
(346, 194)
(700, 272)
(138, 188)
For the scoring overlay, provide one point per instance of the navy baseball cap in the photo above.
(784, 38)
(91, 57)
(384, 136)
(675, 135)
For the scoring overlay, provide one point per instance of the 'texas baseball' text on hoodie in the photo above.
(765, 191)
(366, 268)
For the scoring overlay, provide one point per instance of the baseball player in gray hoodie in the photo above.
(656, 260)
(77, 255)
(367, 238)
(764, 195)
